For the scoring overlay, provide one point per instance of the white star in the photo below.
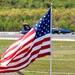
(40, 22)
(44, 28)
(44, 16)
(36, 24)
(44, 32)
(39, 25)
(48, 15)
(41, 19)
(48, 20)
(36, 28)
(46, 24)
(48, 31)
(39, 34)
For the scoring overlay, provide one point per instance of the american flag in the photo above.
(35, 44)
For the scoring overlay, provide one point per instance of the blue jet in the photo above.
(27, 27)
(59, 30)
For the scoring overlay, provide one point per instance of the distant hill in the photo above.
(36, 4)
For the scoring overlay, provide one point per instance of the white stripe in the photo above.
(39, 46)
(34, 49)
(9, 53)
(25, 58)
(16, 43)
(22, 50)
(5, 63)
(28, 45)
(43, 44)
(21, 44)
(42, 37)
(24, 65)
(19, 56)
(45, 51)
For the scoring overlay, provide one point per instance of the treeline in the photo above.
(8, 4)
(12, 19)
(13, 13)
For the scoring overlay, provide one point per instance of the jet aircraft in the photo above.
(27, 27)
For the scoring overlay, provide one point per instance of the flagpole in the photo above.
(51, 40)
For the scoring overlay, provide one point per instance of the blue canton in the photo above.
(42, 27)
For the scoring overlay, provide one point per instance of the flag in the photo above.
(32, 45)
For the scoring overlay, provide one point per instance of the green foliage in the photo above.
(63, 3)
(14, 12)
(64, 18)
(12, 19)
(36, 3)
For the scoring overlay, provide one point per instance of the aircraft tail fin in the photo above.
(26, 27)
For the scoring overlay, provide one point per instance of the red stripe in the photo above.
(13, 46)
(33, 53)
(7, 58)
(43, 47)
(24, 36)
(5, 70)
(18, 53)
(40, 55)
(15, 42)
(41, 41)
